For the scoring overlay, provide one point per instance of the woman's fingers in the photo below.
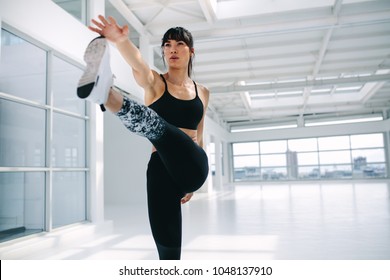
(186, 198)
(95, 29)
(98, 24)
(109, 29)
(125, 29)
(112, 20)
(103, 20)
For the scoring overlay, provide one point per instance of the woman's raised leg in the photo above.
(184, 159)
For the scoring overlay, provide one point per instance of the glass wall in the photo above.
(77, 8)
(338, 157)
(42, 140)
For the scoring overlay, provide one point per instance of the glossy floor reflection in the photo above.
(273, 222)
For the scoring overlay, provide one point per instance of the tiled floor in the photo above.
(271, 221)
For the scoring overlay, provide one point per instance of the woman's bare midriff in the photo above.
(190, 132)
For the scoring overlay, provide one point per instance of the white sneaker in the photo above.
(95, 83)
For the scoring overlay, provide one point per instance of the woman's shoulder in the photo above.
(203, 89)
(156, 74)
(158, 81)
(203, 93)
(155, 90)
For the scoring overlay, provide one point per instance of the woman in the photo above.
(173, 122)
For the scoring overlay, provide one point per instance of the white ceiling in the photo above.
(277, 61)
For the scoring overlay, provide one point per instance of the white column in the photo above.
(95, 8)
(95, 144)
(146, 50)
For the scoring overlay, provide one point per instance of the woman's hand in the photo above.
(110, 29)
(186, 198)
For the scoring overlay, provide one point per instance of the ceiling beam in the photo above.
(321, 55)
(337, 7)
(236, 8)
(323, 49)
(246, 99)
(306, 96)
(291, 112)
(130, 17)
(161, 9)
(261, 29)
(209, 10)
(299, 84)
(369, 90)
(325, 42)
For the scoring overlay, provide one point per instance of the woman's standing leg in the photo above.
(164, 210)
(163, 190)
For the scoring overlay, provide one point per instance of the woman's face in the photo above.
(177, 53)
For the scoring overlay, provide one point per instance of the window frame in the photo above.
(49, 170)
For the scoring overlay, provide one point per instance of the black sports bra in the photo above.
(178, 112)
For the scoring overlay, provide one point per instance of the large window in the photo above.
(77, 8)
(246, 161)
(341, 157)
(43, 127)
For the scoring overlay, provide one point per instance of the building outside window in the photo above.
(43, 170)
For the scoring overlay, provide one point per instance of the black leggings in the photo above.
(178, 167)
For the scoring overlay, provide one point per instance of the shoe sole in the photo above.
(92, 56)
